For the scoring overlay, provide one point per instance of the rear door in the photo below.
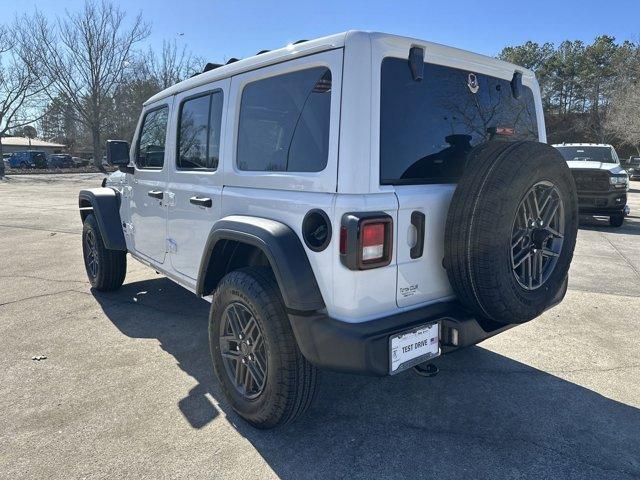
(427, 129)
(148, 212)
(195, 179)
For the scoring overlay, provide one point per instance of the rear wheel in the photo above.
(24, 165)
(262, 373)
(106, 268)
(616, 220)
(511, 230)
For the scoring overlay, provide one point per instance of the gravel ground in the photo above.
(126, 390)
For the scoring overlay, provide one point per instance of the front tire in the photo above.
(263, 375)
(616, 220)
(106, 268)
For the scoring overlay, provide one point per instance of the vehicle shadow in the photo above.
(484, 416)
(631, 225)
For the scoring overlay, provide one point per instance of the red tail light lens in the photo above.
(343, 240)
(373, 237)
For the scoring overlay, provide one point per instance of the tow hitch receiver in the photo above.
(426, 370)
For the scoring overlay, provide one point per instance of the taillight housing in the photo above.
(366, 240)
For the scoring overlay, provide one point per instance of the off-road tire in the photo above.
(111, 264)
(616, 220)
(290, 379)
(478, 233)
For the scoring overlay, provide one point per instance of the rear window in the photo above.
(284, 122)
(199, 132)
(428, 127)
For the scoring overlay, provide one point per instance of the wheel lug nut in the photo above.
(244, 360)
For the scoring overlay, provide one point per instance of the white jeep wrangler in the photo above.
(361, 202)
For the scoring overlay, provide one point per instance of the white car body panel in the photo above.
(349, 183)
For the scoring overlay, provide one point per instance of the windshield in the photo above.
(595, 154)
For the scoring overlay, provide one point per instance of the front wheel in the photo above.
(616, 220)
(262, 373)
(106, 268)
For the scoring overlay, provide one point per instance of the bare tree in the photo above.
(84, 56)
(622, 119)
(171, 66)
(21, 91)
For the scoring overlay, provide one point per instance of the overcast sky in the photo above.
(219, 30)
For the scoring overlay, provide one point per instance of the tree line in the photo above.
(589, 90)
(82, 77)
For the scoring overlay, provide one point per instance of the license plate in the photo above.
(412, 347)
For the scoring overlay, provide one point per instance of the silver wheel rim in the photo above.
(537, 235)
(243, 350)
(91, 254)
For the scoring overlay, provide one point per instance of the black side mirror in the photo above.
(117, 153)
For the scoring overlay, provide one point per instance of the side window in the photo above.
(199, 132)
(284, 122)
(150, 149)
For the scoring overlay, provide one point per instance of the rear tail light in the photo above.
(366, 240)
(372, 241)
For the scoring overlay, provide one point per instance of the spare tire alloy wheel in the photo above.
(511, 231)
(538, 234)
(243, 350)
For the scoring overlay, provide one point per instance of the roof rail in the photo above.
(211, 66)
(299, 41)
(262, 51)
(232, 60)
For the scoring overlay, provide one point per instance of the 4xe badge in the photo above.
(472, 82)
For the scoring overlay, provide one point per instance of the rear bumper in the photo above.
(364, 347)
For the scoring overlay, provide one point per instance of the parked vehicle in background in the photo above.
(59, 160)
(342, 203)
(601, 181)
(80, 162)
(632, 166)
(28, 159)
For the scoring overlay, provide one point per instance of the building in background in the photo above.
(16, 144)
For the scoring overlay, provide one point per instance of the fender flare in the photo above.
(283, 249)
(105, 205)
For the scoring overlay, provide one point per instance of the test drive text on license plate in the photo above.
(413, 347)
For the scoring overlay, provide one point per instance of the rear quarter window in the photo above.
(428, 127)
(284, 122)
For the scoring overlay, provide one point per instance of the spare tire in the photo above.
(511, 230)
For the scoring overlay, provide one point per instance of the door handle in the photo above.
(156, 194)
(201, 201)
(417, 220)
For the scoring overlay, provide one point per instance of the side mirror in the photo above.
(117, 153)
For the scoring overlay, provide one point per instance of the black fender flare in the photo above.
(105, 205)
(283, 250)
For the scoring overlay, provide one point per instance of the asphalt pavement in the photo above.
(126, 389)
